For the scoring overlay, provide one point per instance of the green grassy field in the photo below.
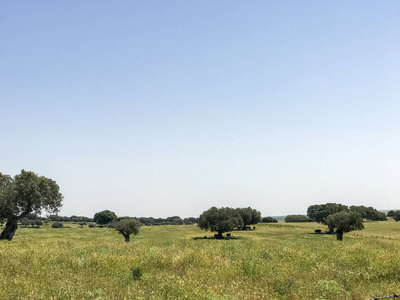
(276, 261)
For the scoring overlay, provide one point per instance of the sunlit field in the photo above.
(275, 261)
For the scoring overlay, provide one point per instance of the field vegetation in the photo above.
(275, 261)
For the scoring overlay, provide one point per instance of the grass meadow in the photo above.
(276, 261)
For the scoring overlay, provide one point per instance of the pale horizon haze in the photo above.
(163, 108)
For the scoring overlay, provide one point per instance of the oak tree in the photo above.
(24, 194)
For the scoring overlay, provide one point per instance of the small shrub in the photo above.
(137, 273)
(81, 224)
(57, 225)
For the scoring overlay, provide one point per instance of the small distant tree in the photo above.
(269, 220)
(104, 217)
(220, 220)
(38, 223)
(345, 221)
(126, 227)
(25, 222)
(57, 225)
(81, 224)
(249, 216)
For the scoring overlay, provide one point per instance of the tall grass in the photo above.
(277, 261)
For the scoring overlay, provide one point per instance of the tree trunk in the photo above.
(126, 236)
(219, 235)
(339, 235)
(11, 227)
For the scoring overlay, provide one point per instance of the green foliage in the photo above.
(190, 221)
(220, 220)
(126, 227)
(137, 272)
(104, 217)
(277, 261)
(32, 216)
(396, 215)
(390, 213)
(24, 194)
(320, 212)
(369, 213)
(38, 223)
(27, 193)
(25, 222)
(297, 218)
(81, 224)
(57, 225)
(269, 220)
(249, 216)
(345, 221)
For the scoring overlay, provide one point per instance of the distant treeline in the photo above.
(174, 220)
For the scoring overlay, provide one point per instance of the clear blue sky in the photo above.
(160, 108)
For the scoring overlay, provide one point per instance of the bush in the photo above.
(57, 225)
(137, 273)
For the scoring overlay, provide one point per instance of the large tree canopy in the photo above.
(345, 221)
(320, 212)
(104, 217)
(220, 220)
(249, 216)
(24, 194)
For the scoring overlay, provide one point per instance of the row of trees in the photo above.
(269, 220)
(106, 216)
(297, 218)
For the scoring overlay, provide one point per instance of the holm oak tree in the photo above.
(24, 194)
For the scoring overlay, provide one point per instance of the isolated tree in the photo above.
(126, 227)
(104, 217)
(26, 193)
(249, 216)
(320, 212)
(345, 221)
(220, 220)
